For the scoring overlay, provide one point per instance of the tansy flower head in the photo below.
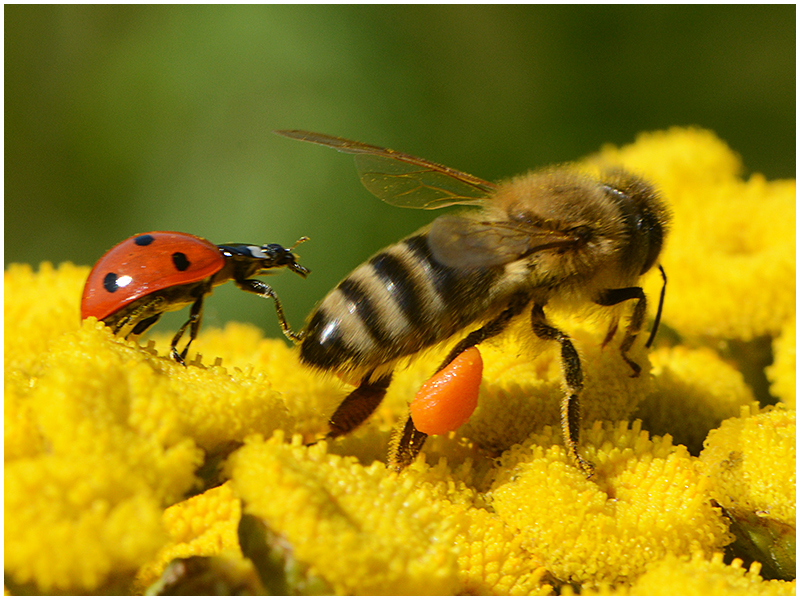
(730, 256)
(700, 576)
(695, 390)
(361, 530)
(751, 462)
(522, 390)
(95, 483)
(203, 525)
(110, 445)
(783, 371)
(646, 500)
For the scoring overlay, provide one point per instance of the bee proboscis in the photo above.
(554, 236)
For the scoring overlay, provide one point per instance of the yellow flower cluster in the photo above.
(645, 501)
(513, 403)
(111, 448)
(751, 463)
(698, 576)
(730, 255)
(783, 372)
(695, 390)
(203, 525)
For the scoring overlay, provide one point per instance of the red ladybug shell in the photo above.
(144, 264)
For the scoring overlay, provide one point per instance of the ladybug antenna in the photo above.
(298, 242)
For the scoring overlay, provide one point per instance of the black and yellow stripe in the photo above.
(397, 303)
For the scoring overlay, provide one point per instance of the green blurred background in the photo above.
(120, 120)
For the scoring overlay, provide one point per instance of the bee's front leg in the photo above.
(612, 297)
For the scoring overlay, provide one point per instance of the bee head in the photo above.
(645, 215)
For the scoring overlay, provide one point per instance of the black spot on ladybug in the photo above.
(110, 283)
(180, 261)
(143, 240)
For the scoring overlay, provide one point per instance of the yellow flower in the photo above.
(38, 307)
(106, 438)
(730, 255)
(751, 462)
(783, 372)
(203, 525)
(492, 559)
(84, 503)
(645, 501)
(360, 528)
(698, 576)
(695, 391)
(522, 386)
(309, 397)
(366, 530)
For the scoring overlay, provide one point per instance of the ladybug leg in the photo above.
(193, 323)
(259, 288)
(407, 445)
(138, 317)
(145, 324)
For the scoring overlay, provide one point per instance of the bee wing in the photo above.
(401, 179)
(462, 242)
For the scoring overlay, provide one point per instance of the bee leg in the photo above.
(409, 443)
(612, 330)
(490, 329)
(405, 446)
(573, 376)
(358, 405)
(612, 297)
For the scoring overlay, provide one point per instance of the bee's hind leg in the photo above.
(406, 445)
(358, 405)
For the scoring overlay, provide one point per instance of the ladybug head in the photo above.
(256, 259)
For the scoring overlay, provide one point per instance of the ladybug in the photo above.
(143, 277)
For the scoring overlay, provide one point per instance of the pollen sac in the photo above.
(447, 400)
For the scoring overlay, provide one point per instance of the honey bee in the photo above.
(550, 237)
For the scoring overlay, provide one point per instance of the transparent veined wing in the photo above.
(401, 179)
(463, 242)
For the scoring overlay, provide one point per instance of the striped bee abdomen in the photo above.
(397, 303)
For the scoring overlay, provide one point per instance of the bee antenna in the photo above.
(660, 307)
